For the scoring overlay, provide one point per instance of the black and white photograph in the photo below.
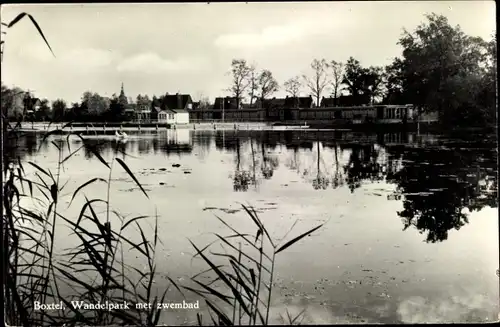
(249, 163)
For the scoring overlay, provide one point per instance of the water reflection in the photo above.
(437, 178)
(437, 184)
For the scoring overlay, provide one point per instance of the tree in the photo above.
(204, 102)
(95, 104)
(73, 113)
(337, 69)
(117, 108)
(439, 62)
(373, 82)
(43, 112)
(143, 100)
(240, 72)
(267, 84)
(292, 86)
(354, 77)
(7, 99)
(394, 83)
(253, 84)
(364, 84)
(318, 82)
(13, 102)
(58, 110)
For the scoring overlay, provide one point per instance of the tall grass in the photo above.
(95, 269)
(239, 291)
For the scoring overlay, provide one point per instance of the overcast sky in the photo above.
(188, 47)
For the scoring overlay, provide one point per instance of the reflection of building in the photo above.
(179, 136)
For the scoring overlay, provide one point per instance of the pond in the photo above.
(410, 229)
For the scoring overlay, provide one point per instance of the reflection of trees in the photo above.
(293, 162)
(242, 178)
(144, 146)
(362, 165)
(338, 178)
(321, 181)
(315, 173)
(203, 141)
(269, 164)
(438, 184)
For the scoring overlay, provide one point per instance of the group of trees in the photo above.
(441, 69)
(326, 76)
(246, 80)
(18, 104)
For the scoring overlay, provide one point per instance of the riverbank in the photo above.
(424, 127)
(129, 126)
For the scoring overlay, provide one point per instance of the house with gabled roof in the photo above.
(175, 109)
(226, 103)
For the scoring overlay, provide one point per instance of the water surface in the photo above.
(411, 221)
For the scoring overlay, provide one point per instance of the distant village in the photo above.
(181, 109)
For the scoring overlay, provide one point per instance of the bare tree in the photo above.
(267, 84)
(337, 70)
(292, 86)
(319, 80)
(204, 101)
(240, 72)
(253, 84)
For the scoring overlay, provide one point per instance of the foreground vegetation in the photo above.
(96, 268)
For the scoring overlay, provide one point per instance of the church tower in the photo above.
(122, 99)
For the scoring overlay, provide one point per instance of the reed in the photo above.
(239, 291)
(95, 269)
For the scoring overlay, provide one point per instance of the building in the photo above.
(173, 116)
(177, 101)
(130, 112)
(175, 109)
(122, 99)
(275, 108)
(328, 102)
(226, 103)
(345, 101)
(299, 102)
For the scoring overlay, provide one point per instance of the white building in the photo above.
(174, 116)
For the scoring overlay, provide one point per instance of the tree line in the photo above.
(440, 69)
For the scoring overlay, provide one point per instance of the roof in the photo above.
(177, 101)
(350, 100)
(226, 103)
(271, 103)
(175, 111)
(328, 102)
(301, 102)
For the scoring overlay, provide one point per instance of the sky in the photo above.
(188, 47)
